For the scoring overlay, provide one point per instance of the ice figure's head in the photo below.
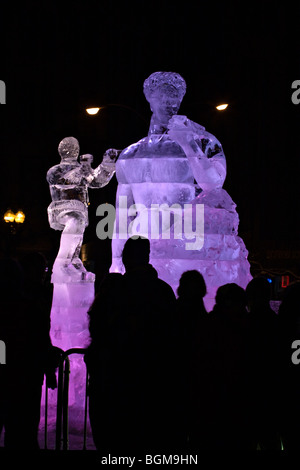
(164, 91)
(68, 148)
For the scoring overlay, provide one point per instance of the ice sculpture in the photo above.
(73, 285)
(178, 165)
(69, 182)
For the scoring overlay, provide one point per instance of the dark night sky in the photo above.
(56, 60)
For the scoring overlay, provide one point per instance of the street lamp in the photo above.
(10, 217)
(92, 111)
(222, 107)
(95, 110)
(20, 217)
(14, 220)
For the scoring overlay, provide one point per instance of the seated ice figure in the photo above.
(69, 182)
(178, 168)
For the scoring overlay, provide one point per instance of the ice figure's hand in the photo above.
(202, 149)
(182, 123)
(184, 131)
(105, 171)
(109, 159)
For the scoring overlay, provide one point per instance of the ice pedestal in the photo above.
(69, 320)
(69, 329)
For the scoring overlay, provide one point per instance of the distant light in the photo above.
(285, 281)
(221, 107)
(9, 216)
(269, 280)
(19, 217)
(92, 111)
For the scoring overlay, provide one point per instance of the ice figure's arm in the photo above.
(203, 150)
(105, 171)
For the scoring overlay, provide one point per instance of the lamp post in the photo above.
(14, 220)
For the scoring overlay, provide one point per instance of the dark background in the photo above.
(56, 60)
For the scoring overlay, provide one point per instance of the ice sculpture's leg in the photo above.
(68, 266)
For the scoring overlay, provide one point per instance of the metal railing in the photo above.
(62, 406)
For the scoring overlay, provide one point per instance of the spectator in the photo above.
(225, 406)
(140, 312)
(262, 366)
(289, 371)
(26, 336)
(191, 340)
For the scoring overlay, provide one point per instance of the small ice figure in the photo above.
(69, 182)
(179, 164)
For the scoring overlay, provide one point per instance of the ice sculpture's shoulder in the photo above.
(133, 149)
(53, 173)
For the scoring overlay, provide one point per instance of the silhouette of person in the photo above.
(262, 352)
(25, 330)
(151, 315)
(289, 370)
(104, 359)
(137, 356)
(226, 414)
(36, 287)
(191, 334)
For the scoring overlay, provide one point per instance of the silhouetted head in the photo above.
(231, 299)
(164, 91)
(136, 252)
(191, 285)
(68, 148)
(258, 292)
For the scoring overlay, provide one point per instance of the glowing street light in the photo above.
(92, 111)
(10, 217)
(221, 107)
(19, 217)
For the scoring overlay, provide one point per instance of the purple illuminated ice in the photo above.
(73, 291)
(73, 285)
(178, 165)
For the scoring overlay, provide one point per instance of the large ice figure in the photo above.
(73, 285)
(179, 170)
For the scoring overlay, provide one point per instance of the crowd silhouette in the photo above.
(164, 374)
